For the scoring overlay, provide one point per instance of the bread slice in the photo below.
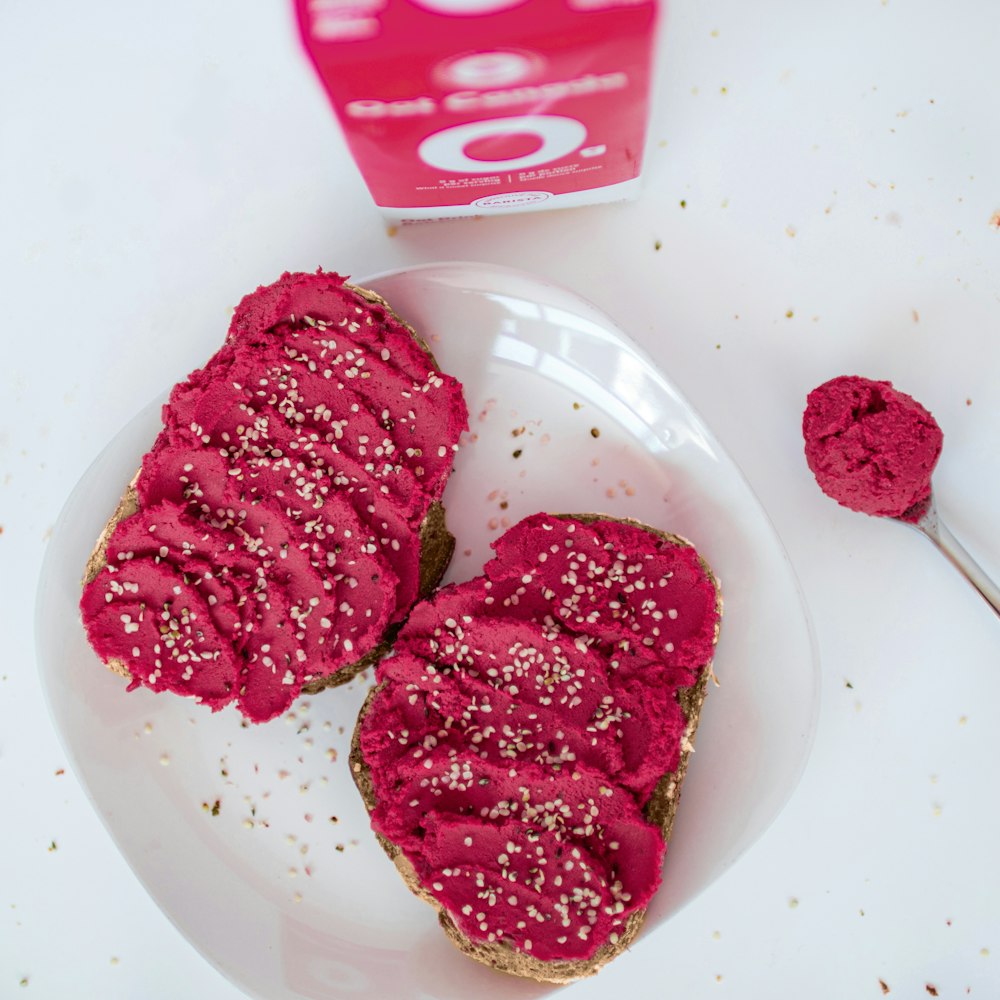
(437, 545)
(409, 786)
(293, 460)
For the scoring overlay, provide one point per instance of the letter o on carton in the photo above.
(466, 8)
(559, 137)
(365, 109)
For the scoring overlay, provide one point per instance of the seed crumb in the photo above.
(114, 960)
(576, 406)
(658, 245)
(793, 903)
(164, 759)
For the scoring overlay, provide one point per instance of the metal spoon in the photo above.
(924, 517)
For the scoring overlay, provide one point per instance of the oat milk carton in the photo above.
(474, 107)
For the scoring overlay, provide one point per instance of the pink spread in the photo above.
(277, 535)
(526, 718)
(871, 448)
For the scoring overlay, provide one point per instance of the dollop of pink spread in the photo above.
(524, 721)
(870, 447)
(277, 534)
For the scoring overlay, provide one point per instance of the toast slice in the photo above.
(523, 752)
(289, 512)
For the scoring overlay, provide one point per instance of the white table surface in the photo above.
(839, 168)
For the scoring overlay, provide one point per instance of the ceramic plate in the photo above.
(254, 841)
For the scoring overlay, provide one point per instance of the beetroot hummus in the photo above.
(278, 529)
(871, 448)
(524, 722)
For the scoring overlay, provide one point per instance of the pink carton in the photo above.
(475, 107)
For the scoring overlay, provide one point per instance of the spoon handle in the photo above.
(938, 532)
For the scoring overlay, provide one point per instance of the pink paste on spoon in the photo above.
(870, 447)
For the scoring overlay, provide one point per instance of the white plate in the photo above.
(231, 828)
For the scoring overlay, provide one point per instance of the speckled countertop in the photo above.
(822, 197)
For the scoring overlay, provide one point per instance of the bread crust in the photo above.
(660, 810)
(437, 544)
